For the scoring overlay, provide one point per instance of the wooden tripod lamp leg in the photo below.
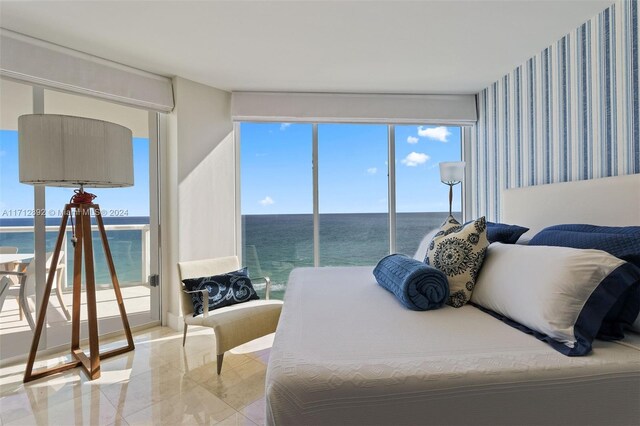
(114, 279)
(77, 284)
(90, 283)
(42, 313)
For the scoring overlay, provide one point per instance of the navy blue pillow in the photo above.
(224, 290)
(503, 233)
(622, 242)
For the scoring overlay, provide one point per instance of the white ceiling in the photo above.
(317, 46)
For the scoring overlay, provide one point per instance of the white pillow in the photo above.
(559, 294)
(424, 245)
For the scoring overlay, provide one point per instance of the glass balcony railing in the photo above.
(129, 244)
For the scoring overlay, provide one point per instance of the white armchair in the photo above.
(232, 325)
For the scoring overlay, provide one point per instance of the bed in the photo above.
(346, 352)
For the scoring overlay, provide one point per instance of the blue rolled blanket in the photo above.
(417, 285)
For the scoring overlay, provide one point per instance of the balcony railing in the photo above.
(130, 279)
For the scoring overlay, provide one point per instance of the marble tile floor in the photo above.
(160, 383)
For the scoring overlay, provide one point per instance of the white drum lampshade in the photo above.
(62, 150)
(452, 172)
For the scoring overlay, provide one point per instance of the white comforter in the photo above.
(347, 352)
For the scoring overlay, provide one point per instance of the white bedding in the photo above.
(347, 352)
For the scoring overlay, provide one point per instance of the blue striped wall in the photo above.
(569, 113)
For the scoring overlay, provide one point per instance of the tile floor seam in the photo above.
(161, 401)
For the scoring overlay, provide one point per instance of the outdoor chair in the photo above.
(26, 286)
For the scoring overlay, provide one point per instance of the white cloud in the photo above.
(438, 133)
(284, 126)
(412, 139)
(267, 201)
(415, 159)
(372, 170)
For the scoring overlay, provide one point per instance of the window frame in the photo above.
(465, 138)
(54, 341)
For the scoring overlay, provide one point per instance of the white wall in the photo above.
(199, 210)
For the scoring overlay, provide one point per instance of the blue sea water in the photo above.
(125, 245)
(275, 244)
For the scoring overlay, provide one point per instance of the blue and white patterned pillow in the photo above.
(458, 251)
(224, 290)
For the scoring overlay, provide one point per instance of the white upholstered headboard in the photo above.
(612, 201)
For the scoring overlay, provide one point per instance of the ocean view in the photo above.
(125, 245)
(275, 244)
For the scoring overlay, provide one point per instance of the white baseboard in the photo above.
(174, 321)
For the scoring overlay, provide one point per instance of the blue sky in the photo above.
(276, 171)
(276, 174)
(17, 196)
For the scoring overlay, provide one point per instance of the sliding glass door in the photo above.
(422, 201)
(126, 214)
(352, 194)
(17, 234)
(277, 203)
(129, 215)
(325, 194)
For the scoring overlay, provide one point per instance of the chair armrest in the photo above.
(205, 296)
(22, 276)
(267, 282)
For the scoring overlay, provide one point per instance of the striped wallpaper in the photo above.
(569, 113)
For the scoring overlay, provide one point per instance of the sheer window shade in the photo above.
(354, 108)
(32, 61)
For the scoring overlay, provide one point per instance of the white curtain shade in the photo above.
(61, 150)
(452, 171)
(32, 61)
(354, 108)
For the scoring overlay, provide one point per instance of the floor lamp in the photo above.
(66, 151)
(451, 173)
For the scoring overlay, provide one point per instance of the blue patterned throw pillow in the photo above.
(224, 290)
(458, 251)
